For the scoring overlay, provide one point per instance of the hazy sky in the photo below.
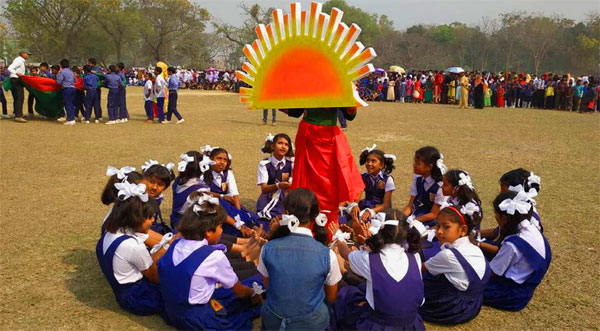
(405, 13)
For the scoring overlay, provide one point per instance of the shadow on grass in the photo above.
(86, 281)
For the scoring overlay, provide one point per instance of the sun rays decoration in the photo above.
(305, 60)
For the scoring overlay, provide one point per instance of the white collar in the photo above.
(461, 242)
(138, 236)
(217, 174)
(275, 162)
(428, 180)
(392, 248)
(192, 244)
(188, 184)
(304, 231)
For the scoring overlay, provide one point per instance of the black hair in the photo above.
(109, 194)
(301, 203)
(112, 68)
(87, 68)
(75, 69)
(64, 63)
(195, 224)
(390, 234)
(92, 60)
(161, 173)
(44, 64)
(55, 67)
(429, 155)
(208, 176)
(130, 213)
(388, 163)
(268, 147)
(192, 169)
(512, 226)
(171, 70)
(471, 221)
(159, 69)
(121, 65)
(519, 177)
(150, 75)
(463, 192)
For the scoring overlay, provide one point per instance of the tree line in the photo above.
(140, 32)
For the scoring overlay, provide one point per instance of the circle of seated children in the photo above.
(285, 265)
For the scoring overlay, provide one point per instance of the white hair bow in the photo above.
(206, 163)
(369, 149)
(148, 164)
(229, 156)
(348, 208)
(465, 179)
(207, 149)
(321, 219)
(121, 173)
(169, 166)
(389, 156)
(469, 208)
(519, 203)
(417, 225)
(290, 221)
(530, 195)
(340, 236)
(534, 179)
(270, 137)
(185, 159)
(128, 190)
(238, 222)
(477, 235)
(378, 222)
(205, 203)
(163, 242)
(440, 164)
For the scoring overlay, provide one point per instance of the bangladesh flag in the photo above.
(48, 94)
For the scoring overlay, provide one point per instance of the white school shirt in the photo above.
(214, 269)
(131, 257)
(232, 189)
(394, 260)
(389, 183)
(262, 175)
(510, 262)
(333, 276)
(439, 196)
(148, 88)
(159, 86)
(445, 262)
(17, 67)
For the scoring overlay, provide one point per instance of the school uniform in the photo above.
(114, 83)
(196, 280)
(224, 183)
(454, 283)
(96, 70)
(272, 171)
(159, 93)
(122, 257)
(66, 79)
(173, 85)
(90, 81)
(148, 99)
(123, 112)
(295, 295)
(180, 195)
(519, 268)
(159, 224)
(427, 192)
(375, 189)
(391, 274)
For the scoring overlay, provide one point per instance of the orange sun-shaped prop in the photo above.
(305, 60)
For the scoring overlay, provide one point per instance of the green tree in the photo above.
(118, 19)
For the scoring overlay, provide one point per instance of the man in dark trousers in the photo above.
(16, 70)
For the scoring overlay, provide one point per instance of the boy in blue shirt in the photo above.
(123, 112)
(114, 83)
(173, 86)
(90, 81)
(577, 96)
(66, 79)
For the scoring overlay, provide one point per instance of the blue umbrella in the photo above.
(455, 70)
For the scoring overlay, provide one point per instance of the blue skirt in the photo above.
(140, 298)
(504, 293)
(224, 312)
(444, 304)
(246, 215)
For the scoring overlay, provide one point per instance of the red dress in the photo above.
(323, 161)
(500, 97)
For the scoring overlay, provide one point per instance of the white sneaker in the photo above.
(82, 119)
(96, 121)
(125, 120)
(165, 122)
(181, 121)
(5, 116)
(62, 119)
(86, 122)
(111, 122)
(118, 121)
(69, 123)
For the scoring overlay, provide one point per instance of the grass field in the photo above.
(52, 176)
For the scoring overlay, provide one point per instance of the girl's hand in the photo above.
(229, 198)
(333, 228)
(346, 228)
(407, 211)
(257, 300)
(355, 212)
(284, 185)
(246, 231)
(366, 216)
